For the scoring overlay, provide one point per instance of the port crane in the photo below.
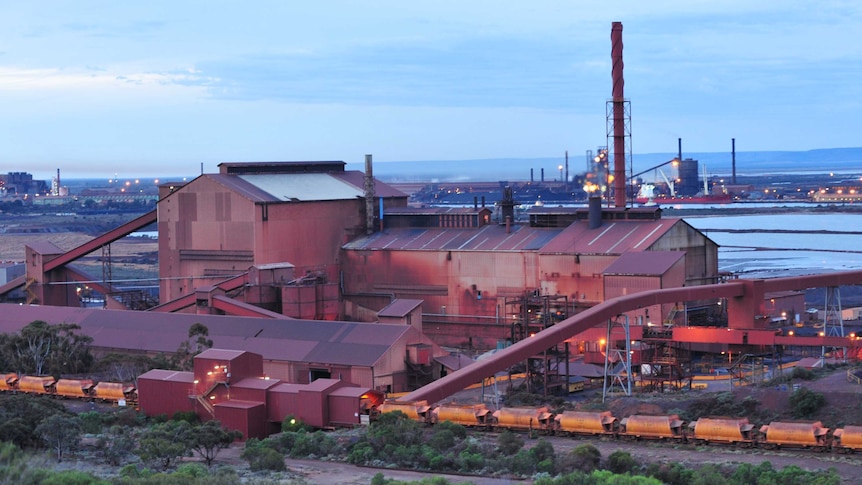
(670, 184)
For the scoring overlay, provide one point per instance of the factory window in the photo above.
(314, 374)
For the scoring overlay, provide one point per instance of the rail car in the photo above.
(810, 435)
(115, 392)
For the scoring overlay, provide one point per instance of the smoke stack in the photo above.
(619, 115)
(733, 158)
(679, 152)
(567, 170)
(507, 205)
(595, 212)
(531, 175)
(369, 197)
(58, 182)
(543, 175)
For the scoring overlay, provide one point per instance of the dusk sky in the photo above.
(157, 88)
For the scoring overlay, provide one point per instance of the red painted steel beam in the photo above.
(242, 309)
(15, 283)
(186, 301)
(568, 328)
(843, 278)
(98, 242)
(175, 305)
(564, 330)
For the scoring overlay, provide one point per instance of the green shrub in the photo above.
(621, 462)
(509, 443)
(584, 458)
(262, 458)
(91, 422)
(190, 417)
(674, 473)
(805, 402)
(291, 423)
(802, 373)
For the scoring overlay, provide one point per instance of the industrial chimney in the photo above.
(619, 116)
(369, 197)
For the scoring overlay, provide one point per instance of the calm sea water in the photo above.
(820, 243)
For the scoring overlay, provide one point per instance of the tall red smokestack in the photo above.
(618, 115)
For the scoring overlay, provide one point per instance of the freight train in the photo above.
(115, 392)
(731, 431)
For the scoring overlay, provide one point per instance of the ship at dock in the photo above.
(685, 188)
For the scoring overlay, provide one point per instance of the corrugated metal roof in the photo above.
(349, 391)
(44, 247)
(220, 354)
(485, 238)
(288, 387)
(168, 375)
(454, 362)
(399, 308)
(413, 211)
(357, 179)
(291, 187)
(255, 383)
(325, 342)
(296, 187)
(656, 263)
(320, 385)
(612, 237)
(347, 354)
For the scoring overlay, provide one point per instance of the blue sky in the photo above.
(157, 88)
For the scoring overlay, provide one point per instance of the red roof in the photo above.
(612, 237)
(326, 342)
(399, 308)
(486, 238)
(656, 263)
(168, 375)
(255, 383)
(319, 385)
(219, 354)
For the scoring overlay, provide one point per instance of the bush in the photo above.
(91, 422)
(675, 474)
(584, 458)
(268, 459)
(190, 417)
(291, 424)
(805, 402)
(509, 443)
(260, 457)
(802, 373)
(621, 462)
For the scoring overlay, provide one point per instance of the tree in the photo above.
(61, 433)
(198, 342)
(162, 444)
(117, 444)
(210, 438)
(124, 367)
(20, 414)
(41, 348)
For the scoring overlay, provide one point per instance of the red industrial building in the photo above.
(259, 214)
(391, 357)
(230, 386)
